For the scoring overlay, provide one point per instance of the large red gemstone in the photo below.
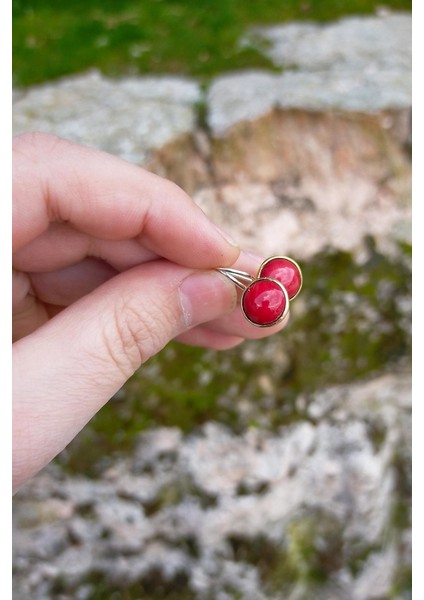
(265, 302)
(285, 271)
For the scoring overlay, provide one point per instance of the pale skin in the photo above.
(110, 263)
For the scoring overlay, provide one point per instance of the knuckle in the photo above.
(136, 334)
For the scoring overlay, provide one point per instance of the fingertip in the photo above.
(204, 337)
(204, 296)
(233, 249)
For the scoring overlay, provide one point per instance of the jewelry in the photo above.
(266, 297)
(286, 271)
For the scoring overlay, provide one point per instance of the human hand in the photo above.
(110, 263)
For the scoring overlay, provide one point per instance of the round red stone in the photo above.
(286, 272)
(264, 302)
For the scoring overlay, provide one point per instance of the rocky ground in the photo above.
(280, 469)
(219, 515)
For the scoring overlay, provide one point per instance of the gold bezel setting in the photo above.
(272, 258)
(245, 281)
(286, 299)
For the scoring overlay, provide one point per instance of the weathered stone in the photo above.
(379, 43)
(355, 64)
(332, 134)
(124, 526)
(129, 118)
(301, 218)
(153, 121)
(275, 486)
(247, 96)
(183, 162)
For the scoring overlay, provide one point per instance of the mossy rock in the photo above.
(354, 322)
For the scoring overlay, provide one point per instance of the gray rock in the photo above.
(311, 214)
(124, 526)
(329, 482)
(356, 64)
(240, 97)
(247, 96)
(128, 118)
(163, 444)
(362, 91)
(74, 564)
(380, 43)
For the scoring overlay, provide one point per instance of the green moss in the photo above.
(168, 496)
(313, 550)
(151, 586)
(173, 493)
(353, 325)
(377, 431)
(269, 558)
(259, 551)
(357, 554)
(401, 502)
(402, 586)
(160, 36)
(315, 546)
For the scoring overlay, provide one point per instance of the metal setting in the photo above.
(281, 317)
(271, 258)
(245, 281)
(238, 277)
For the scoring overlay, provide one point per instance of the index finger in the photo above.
(55, 180)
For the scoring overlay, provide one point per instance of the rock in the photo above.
(306, 216)
(234, 98)
(124, 526)
(129, 118)
(331, 133)
(162, 445)
(80, 491)
(317, 155)
(331, 483)
(247, 96)
(379, 43)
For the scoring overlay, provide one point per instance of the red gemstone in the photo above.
(265, 302)
(286, 272)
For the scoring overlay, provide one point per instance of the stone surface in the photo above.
(247, 96)
(302, 217)
(379, 43)
(334, 475)
(329, 133)
(354, 64)
(128, 117)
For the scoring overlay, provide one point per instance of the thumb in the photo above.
(67, 369)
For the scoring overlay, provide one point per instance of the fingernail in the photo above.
(226, 236)
(205, 296)
(253, 255)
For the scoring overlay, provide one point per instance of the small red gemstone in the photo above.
(286, 272)
(264, 302)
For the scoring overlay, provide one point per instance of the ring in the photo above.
(266, 297)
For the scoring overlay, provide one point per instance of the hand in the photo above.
(110, 263)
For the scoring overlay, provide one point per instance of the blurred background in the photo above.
(279, 469)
